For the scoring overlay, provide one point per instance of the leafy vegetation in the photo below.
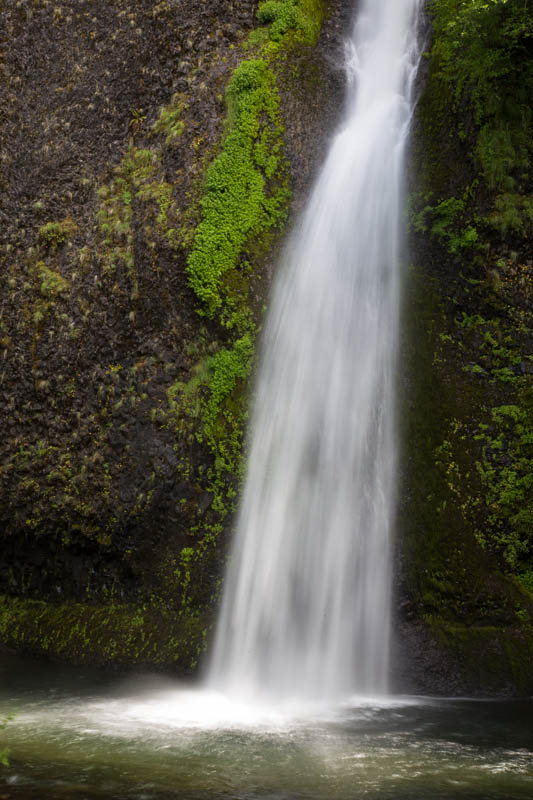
(246, 191)
(444, 221)
(469, 523)
(498, 498)
(476, 202)
(506, 472)
(52, 283)
(136, 178)
(481, 54)
(170, 122)
(282, 16)
(55, 234)
(242, 210)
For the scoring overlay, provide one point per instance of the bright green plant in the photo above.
(513, 213)
(55, 234)
(246, 189)
(446, 222)
(52, 283)
(281, 15)
(228, 366)
(506, 471)
(480, 52)
(526, 579)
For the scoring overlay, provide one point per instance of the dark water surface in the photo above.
(82, 734)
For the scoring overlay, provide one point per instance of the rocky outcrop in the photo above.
(125, 360)
(466, 569)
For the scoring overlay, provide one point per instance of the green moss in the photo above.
(502, 437)
(52, 283)
(475, 152)
(212, 404)
(497, 500)
(446, 221)
(115, 633)
(135, 177)
(246, 190)
(450, 574)
(313, 12)
(490, 657)
(170, 122)
(257, 39)
(51, 289)
(246, 194)
(506, 471)
(67, 493)
(282, 16)
(55, 234)
(210, 410)
(139, 186)
(526, 580)
(480, 62)
(512, 214)
(228, 367)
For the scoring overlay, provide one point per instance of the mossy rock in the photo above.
(105, 634)
(492, 660)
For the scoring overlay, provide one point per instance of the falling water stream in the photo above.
(295, 704)
(306, 606)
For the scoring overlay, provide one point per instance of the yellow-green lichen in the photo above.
(115, 633)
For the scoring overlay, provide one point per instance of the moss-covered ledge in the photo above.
(120, 634)
(498, 659)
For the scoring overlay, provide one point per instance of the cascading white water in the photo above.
(305, 612)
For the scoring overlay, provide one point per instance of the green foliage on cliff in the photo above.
(246, 190)
(490, 656)
(242, 211)
(137, 179)
(112, 633)
(281, 15)
(445, 221)
(55, 234)
(481, 67)
(246, 193)
(469, 529)
(244, 204)
(228, 366)
(506, 472)
(466, 523)
(481, 53)
(303, 17)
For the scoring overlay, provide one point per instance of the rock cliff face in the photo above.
(467, 379)
(149, 155)
(99, 158)
(152, 155)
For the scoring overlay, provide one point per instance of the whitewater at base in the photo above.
(92, 735)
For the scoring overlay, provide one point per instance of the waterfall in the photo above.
(305, 612)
